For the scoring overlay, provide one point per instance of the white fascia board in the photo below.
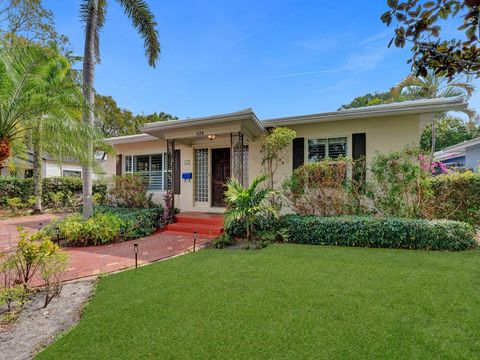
(462, 146)
(130, 139)
(210, 120)
(393, 109)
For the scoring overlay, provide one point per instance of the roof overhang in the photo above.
(459, 147)
(244, 121)
(427, 106)
(130, 139)
(447, 155)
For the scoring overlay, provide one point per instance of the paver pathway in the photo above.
(94, 260)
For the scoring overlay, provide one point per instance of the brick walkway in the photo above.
(94, 260)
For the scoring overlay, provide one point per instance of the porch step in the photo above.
(200, 219)
(204, 229)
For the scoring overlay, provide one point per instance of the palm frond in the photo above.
(143, 20)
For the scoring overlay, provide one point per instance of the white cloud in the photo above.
(321, 43)
(368, 59)
(384, 35)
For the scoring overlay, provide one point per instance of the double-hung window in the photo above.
(152, 168)
(333, 148)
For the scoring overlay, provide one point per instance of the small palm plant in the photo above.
(247, 203)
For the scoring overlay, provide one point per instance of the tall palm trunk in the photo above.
(37, 167)
(89, 59)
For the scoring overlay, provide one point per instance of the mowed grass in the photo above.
(285, 302)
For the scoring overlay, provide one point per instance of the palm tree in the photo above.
(52, 103)
(93, 14)
(19, 77)
(246, 204)
(433, 86)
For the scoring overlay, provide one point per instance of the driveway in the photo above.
(95, 260)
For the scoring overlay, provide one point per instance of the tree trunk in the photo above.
(89, 95)
(37, 167)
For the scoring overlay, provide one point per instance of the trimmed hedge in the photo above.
(238, 229)
(379, 232)
(141, 222)
(456, 197)
(23, 188)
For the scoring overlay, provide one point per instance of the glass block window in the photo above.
(319, 149)
(201, 175)
(152, 168)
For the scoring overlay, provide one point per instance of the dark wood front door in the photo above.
(220, 174)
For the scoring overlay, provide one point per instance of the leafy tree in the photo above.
(246, 204)
(450, 130)
(368, 100)
(115, 121)
(93, 13)
(29, 21)
(110, 119)
(417, 23)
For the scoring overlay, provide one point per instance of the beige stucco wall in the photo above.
(382, 135)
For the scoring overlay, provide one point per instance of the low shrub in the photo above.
(108, 224)
(34, 256)
(17, 206)
(379, 232)
(327, 187)
(455, 196)
(99, 229)
(142, 222)
(238, 228)
(129, 191)
(222, 241)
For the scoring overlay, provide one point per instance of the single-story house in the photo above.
(194, 157)
(23, 167)
(464, 155)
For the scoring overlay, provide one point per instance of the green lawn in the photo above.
(285, 302)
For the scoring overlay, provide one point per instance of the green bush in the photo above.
(456, 197)
(142, 222)
(379, 232)
(99, 229)
(108, 224)
(398, 183)
(23, 188)
(238, 228)
(129, 191)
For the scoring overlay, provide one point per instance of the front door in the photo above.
(220, 174)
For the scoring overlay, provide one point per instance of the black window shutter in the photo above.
(359, 145)
(176, 172)
(359, 151)
(298, 152)
(119, 165)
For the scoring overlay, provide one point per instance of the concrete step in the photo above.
(199, 228)
(200, 219)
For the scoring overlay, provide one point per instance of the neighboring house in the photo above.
(464, 155)
(23, 168)
(206, 151)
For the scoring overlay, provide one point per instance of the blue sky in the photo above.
(279, 57)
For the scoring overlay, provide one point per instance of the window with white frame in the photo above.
(153, 168)
(333, 148)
